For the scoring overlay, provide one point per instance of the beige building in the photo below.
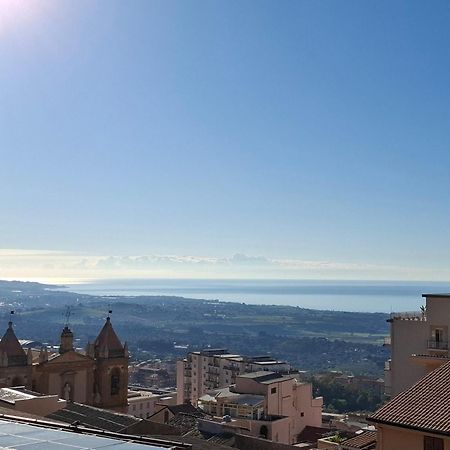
(144, 403)
(265, 404)
(418, 418)
(419, 343)
(97, 377)
(216, 368)
(23, 400)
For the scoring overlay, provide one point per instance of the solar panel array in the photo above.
(28, 437)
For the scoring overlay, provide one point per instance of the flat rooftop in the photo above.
(11, 395)
(436, 295)
(266, 377)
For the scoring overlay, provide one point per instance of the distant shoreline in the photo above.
(352, 296)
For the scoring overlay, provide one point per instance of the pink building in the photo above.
(265, 404)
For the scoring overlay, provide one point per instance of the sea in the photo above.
(356, 296)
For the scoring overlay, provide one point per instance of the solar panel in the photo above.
(28, 437)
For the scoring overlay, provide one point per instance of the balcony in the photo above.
(437, 345)
(231, 368)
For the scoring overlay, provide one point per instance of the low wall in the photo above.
(252, 443)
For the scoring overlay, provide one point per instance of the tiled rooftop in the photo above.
(424, 406)
(367, 440)
(93, 417)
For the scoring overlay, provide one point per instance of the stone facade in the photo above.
(99, 377)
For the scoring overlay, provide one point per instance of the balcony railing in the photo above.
(438, 345)
(409, 315)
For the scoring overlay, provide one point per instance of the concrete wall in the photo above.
(407, 337)
(390, 438)
(40, 406)
(180, 381)
(253, 443)
(306, 409)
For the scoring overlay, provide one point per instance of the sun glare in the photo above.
(14, 12)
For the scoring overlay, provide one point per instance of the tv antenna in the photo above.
(67, 315)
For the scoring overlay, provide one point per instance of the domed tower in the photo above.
(111, 369)
(15, 364)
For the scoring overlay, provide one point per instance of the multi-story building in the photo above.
(419, 343)
(216, 368)
(265, 404)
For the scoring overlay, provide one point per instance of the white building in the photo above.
(216, 368)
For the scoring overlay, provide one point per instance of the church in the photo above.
(98, 377)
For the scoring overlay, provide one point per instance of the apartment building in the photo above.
(215, 368)
(419, 343)
(265, 404)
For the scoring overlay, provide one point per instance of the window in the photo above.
(115, 382)
(432, 443)
(273, 390)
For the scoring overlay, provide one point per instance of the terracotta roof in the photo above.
(367, 440)
(107, 339)
(424, 406)
(11, 346)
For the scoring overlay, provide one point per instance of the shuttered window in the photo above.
(432, 443)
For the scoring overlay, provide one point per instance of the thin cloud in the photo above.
(50, 265)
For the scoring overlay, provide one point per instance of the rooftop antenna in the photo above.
(109, 310)
(67, 315)
(11, 318)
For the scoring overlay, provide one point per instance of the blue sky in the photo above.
(310, 133)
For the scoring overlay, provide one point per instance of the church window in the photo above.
(115, 382)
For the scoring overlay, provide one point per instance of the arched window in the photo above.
(115, 382)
